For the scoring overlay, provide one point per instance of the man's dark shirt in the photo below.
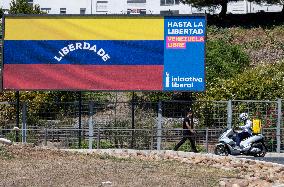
(185, 128)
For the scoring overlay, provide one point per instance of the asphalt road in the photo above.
(269, 157)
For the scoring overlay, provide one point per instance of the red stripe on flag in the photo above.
(82, 77)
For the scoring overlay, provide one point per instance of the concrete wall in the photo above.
(72, 6)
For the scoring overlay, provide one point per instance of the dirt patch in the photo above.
(32, 166)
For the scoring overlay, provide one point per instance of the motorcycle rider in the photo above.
(246, 129)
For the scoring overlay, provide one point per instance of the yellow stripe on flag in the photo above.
(102, 28)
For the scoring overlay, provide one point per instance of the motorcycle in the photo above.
(251, 146)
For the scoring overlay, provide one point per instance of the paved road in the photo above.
(269, 157)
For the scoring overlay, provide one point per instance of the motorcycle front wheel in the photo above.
(262, 148)
(221, 150)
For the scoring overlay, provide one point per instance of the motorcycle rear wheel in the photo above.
(221, 150)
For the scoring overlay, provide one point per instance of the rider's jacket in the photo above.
(247, 127)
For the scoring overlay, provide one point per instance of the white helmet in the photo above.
(243, 116)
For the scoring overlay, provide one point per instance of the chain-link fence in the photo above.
(139, 125)
(267, 112)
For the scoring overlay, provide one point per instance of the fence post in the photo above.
(91, 127)
(98, 138)
(152, 139)
(80, 121)
(159, 126)
(229, 114)
(45, 136)
(24, 126)
(278, 130)
(206, 140)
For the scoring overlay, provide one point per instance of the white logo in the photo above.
(180, 81)
(167, 79)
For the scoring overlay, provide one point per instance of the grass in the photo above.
(37, 167)
(4, 154)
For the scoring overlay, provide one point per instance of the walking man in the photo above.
(188, 132)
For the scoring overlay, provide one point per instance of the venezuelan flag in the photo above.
(83, 53)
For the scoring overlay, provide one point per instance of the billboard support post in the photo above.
(17, 94)
(24, 126)
(159, 126)
(132, 120)
(91, 125)
(80, 120)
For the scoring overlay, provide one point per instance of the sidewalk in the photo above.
(281, 155)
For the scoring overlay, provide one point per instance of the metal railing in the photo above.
(143, 139)
(159, 120)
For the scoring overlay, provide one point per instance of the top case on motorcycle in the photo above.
(256, 126)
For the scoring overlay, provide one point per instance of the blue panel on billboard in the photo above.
(184, 54)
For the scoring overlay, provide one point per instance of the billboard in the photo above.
(150, 53)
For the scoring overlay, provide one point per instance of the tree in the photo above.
(1, 12)
(209, 3)
(23, 7)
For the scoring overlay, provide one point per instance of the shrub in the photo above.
(224, 60)
(262, 83)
